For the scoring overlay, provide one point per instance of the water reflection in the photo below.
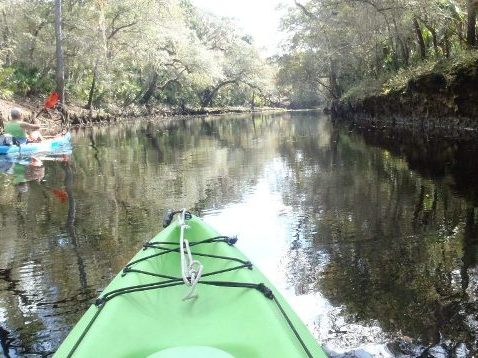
(23, 171)
(374, 249)
(29, 191)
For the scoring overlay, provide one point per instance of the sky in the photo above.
(258, 18)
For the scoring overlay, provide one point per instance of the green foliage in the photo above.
(6, 90)
(175, 54)
(24, 82)
(170, 54)
(398, 81)
(375, 46)
(366, 87)
(299, 79)
(451, 9)
(463, 59)
(80, 88)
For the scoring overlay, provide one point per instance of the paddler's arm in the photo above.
(29, 126)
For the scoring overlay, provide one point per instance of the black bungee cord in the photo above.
(171, 281)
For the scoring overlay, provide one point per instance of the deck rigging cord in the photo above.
(191, 274)
(191, 270)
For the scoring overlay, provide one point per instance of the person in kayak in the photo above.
(18, 128)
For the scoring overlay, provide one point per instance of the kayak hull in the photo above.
(45, 146)
(238, 321)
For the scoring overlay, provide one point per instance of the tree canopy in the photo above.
(131, 52)
(334, 44)
(170, 53)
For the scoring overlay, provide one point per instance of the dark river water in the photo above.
(371, 235)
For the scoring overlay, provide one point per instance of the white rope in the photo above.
(191, 270)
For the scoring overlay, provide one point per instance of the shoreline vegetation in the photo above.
(390, 62)
(380, 62)
(77, 116)
(107, 60)
(438, 95)
(111, 60)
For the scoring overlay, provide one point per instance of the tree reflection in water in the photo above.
(401, 248)
(383, 225)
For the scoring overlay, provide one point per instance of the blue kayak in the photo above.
(46, 146)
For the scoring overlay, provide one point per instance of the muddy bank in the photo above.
(73, 115)
(435, 101)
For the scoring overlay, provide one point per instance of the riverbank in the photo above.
(439, 96)
(78, 116)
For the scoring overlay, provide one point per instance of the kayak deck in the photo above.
(45, 146)
(237, 311)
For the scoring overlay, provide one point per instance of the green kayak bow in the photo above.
(190, 293)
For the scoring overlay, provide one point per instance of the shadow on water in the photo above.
(413, 269)
(381, 226)
(431, 156)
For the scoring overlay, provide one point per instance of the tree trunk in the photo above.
(208, 96)
(100, 60)
(334, 87)
(446, 45)
(6, 38)
(151, 88)
(434, 39)
(435, 42)
(404, 50)
(392, 52)
(60, 63)
(421, 42)
(406, 54)
(399, 42)
(89, 105)
(471, 25)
